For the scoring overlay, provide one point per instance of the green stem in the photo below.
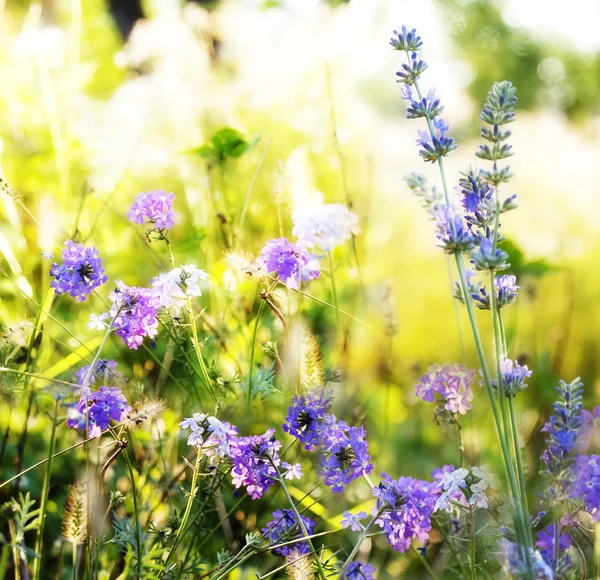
(473, 552)
(74, 556)
(300, 523)
(136, 515)
(360, 540)
(197, 348)
(335, 299)
(188, 509)
(44, 500)
(426, 564)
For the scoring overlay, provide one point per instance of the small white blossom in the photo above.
(292, 471)
(175, 287)
(96, 321)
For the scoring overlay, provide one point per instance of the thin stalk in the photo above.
(188, 509)
(473, 552)
(74, 557)
(335, 299)
(426, 564)
(136, 515)
(197, 348)
(44, 500)
(360, 540)
(461, 444)
(300, 523)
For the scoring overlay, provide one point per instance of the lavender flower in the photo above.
(436, 145)
(99, 407)
(345, 453)
(452, 384)
(80, 273)
(255, 459)
(325, 226)
(405, 40)
(304, 417)
(404, 508)
(513, 377)
(174, 288)
(291, 262)
(134, 311)
(352, 521)
(359, 571)
(506, 293)
(452, 232)
(488, 257)
(154, 207)
(283, 528)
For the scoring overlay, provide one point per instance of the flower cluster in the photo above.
(471, 484)
(209, 434)
(345, 453)
(403, 509)
(545, 542)
(96, 410)
(305, 417)
(451, 383)
(325, 226)
(174, 288)
(452, 232)
(513, 377)
(283, 528)
(80, 273)
(134, 312)
(589, 436)
(255, 460)
(290, 262)
(154, 207)
(506, 293)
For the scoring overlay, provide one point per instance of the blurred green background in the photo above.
(88, 120)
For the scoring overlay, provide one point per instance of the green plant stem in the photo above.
(360, 540)
(300, 523)
(136, 514)
(426, 564)
(197, 348)
(473, 551)
(188, 509)
(335, 299)
(44, 500)
(74, 557)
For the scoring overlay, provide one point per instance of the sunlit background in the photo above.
(95, 107)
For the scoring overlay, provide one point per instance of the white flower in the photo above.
(452, 482)
(293, 471)
(96, 322)
(175, 287)
(324, 226)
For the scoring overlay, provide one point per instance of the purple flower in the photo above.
(352, 521)
(284, 528)
(452, 232)
(255, 459)
(154, 207)
(80, 273)
(105, 372)
(545, 541)
(291, 262)
(405, 508)
(345, 453)
(100, 407)
(513, 377)
(305, 416)
(590, 429)
(134, 311)
(506, 293)
(586, 483)
(359, 571)
(451, 382)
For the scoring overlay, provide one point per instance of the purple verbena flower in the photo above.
(154, 207)
(590, 429)
(359, 571)
(99, 407)
(545, 541)
(305, 415)
(283, 528)
(586, 483)
(452, 383)
(134, 311)
(290, 262)
(255, 459)
(80, 273)
(105, 372)
(345, 453)
(404, 508)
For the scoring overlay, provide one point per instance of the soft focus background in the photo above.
(96, 107)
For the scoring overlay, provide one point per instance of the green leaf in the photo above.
(520, 267)
(226, 143)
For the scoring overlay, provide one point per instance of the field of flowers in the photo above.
(250, 329)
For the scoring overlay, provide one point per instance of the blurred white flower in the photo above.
(326, 227)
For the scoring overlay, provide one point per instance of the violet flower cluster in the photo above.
(96, 410)
(105, 372)
(359, 571)
(290, 262)
(344, 450)
(80, 273)
(283, 528)
(451, 384)
(155, 208)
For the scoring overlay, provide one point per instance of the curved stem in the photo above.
(335, 299)
(360, 540)
(197, 348)
(136, 515)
